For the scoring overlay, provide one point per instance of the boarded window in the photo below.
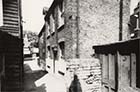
(1, 13)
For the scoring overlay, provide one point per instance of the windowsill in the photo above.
(60, 27)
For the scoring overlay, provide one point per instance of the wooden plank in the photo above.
(105, 68)
(112, 71)
(125, 61)
(133, 70)
(119, 71)
(10, 15)
(14, 5)
(10, 22)
(11, 18)
(11, 8)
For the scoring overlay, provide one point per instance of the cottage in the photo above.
(72, 27)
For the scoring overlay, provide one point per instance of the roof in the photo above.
(55, 2)
(123, 46)
(42, 30)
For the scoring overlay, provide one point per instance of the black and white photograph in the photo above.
(69, 45)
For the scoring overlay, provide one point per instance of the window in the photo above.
(62, 49)
(1, 13)
(60, 17)
(52, 24)
(49, 52)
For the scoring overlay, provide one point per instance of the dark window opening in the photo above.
(62, 48)
(55, 53)
(49, 52)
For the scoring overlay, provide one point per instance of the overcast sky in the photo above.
(32, 14)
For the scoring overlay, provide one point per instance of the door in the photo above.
(109, 72)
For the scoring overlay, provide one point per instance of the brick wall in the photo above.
(99, 23)
(88, 71)
(70, 28)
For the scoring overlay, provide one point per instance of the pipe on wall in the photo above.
(121, 20)
(78, 30)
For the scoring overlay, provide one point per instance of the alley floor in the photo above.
(37, 80)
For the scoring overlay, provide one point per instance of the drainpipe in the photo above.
(78, 30)
(56, 27)
(121, 20)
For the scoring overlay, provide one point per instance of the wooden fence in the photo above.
(120, 63)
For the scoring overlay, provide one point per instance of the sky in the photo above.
(33, 17)
(32, 14)
(133, 4)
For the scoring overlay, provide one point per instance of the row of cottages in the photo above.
(11, 54)
(70, 30)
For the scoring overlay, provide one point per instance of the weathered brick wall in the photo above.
(99, 23)
(88, 71)
(70, 28)
(126, 17)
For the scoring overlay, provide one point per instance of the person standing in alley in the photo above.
(75, 85)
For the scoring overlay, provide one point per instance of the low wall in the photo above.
(88, 72)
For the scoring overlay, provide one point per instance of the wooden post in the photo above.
(105, 73)
(133, 70)
(111, 72)
(119, 71)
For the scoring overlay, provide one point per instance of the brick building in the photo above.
(79, 23)
(72, 27)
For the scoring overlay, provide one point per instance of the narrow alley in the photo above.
(37, 80)
(31, 75)
(69, 45)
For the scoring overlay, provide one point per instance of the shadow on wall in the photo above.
(75, 85)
